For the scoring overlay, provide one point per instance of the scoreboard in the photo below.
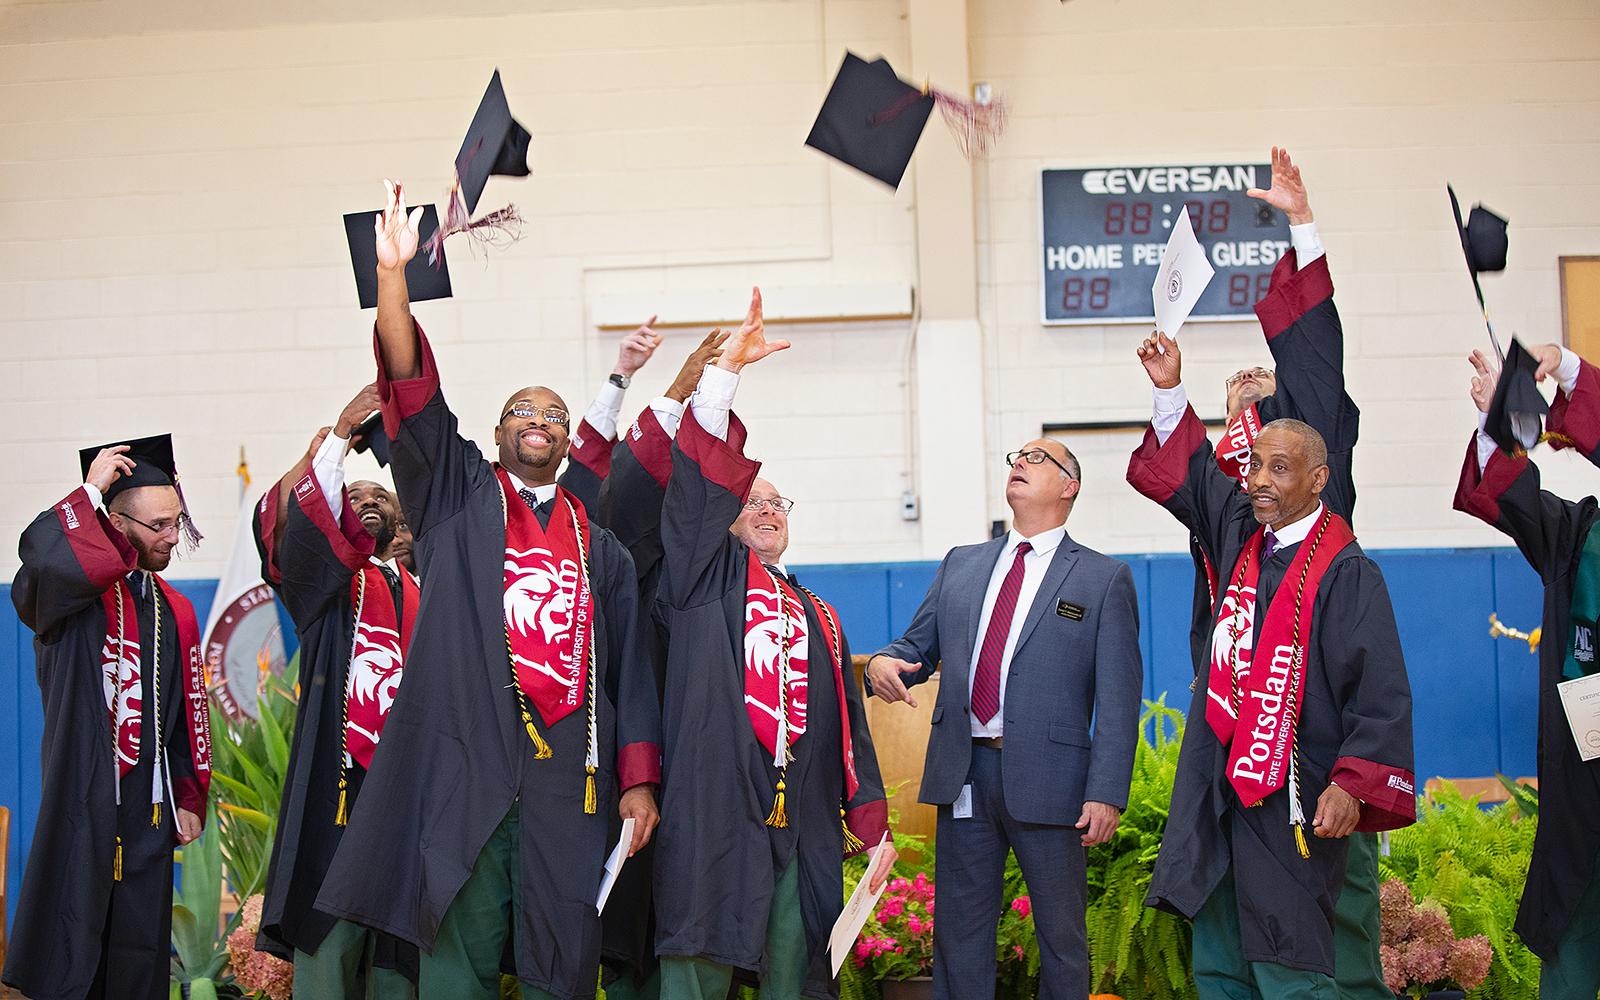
(1104, 229)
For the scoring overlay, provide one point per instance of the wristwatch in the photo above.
(621, 381)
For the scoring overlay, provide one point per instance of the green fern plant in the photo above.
(1474, 862)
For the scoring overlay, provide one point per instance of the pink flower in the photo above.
(256, 970)
(891, 908)
(914, 924)
(1023, 906)
(1430, 926)
(1394, 968)
(1396, 907)
(1424, 962)
(1468, 962)
(899, 885)
(1018, 949)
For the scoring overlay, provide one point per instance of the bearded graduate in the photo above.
(1559, 918)
(771, 778)
(528, 719)
(1301, 726)
(328, 552)
(1306, 339)
(127, 737)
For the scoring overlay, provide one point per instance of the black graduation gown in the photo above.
(71, 908)
(455, 758)
(1551, 533)
(1354, 725)
(717, 862)
(310, 560)
(1307, 344)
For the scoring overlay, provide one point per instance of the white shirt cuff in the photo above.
(1307, 243)
(328, 467)
(1486, 445)
(1567, 371)
(602, 415)
(95, 498)
(669, 413)
(1168, 410)
(713, 398)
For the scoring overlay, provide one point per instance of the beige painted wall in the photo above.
(172, 176)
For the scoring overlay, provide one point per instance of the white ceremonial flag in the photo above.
(243, 636)
(619, 857)
(856, 912)
(1184, 273)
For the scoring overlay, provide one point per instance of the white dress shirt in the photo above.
(542, 494)
(1294, 532)
(1307, 243)
(712, 400)
(1566, 375)
(328, 468)
(1034, 565)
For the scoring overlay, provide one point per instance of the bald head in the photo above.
(532, 434)
(1288, 471)
(1314, 447)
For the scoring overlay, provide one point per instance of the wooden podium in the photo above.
(900, 735)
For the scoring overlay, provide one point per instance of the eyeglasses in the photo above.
(162, 526)
(548, 414)
(1259, 374)
(781, 504)
(1035, 456)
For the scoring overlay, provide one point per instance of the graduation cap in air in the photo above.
(153, 465)
(1516, 410)
(872, 119)
(1483, 241)
(370, 436)
(424, 279)
(495, 144)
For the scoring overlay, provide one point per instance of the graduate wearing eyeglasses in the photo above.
(528, 726)
(770, 775)
(127, 730)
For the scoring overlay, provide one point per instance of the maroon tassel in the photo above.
(499, 228)
(977, 127)
(191, 534)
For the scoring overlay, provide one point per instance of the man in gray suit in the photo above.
(1033, 736)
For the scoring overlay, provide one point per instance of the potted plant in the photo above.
(264, 975)
(896, 946)
(1422, 957)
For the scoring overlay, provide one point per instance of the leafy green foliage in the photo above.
(249, 767)
(200, 953)
(1474, 862)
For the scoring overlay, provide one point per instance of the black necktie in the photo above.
(136, 581)
(394, 590)
(1269, 545)
(540, 510)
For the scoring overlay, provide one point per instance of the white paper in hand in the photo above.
(856, 912)
(1184, 273)
(619, 856)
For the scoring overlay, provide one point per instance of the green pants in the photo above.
(342, 967)
(465, 963)
(787, 955)
(1357, 968)
(624, 988)
(1220, 969)
(1574, 974)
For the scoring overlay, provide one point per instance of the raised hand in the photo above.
(1483, 381)
(749, 343)
(1162, 360)
(1288, 193)
(109, 466)
(636, 348)
(394, 230)
(707, 352)
(1549, 358)
(358, 410)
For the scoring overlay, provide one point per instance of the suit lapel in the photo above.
(1066, 557)
(973, 588)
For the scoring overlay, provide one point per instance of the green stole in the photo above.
(1580, 658)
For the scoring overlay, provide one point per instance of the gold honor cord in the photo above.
(779, 817)
(116, 712)
(852, 843)
(342, 817)
(155, 689)
(1292, 717)
(541, 749)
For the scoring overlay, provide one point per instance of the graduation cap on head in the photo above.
(495, 144)
(872, 119)
(370, 436)
(1516, 410)
(1483, 242)
(424, 280)
(153, 465)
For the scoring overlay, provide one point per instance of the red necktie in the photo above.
(986, 679)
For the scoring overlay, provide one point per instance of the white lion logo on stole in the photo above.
(763, 646)
(542, 596)
(375, 669)
(1222, 643)
(130, 707)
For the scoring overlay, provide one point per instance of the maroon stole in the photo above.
(377, 657)
(776, 671)
(1267, 693)
(1237, 439)
(549, 608)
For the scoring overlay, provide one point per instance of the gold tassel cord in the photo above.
(589, 803)
(852, 843)
(116, 863)
(541, 749)
(778, 817)
(155, 814)
(342, 817)
(1300, 840)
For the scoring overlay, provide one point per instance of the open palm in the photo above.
(1288, 191)
(394, 230)
(749, 343)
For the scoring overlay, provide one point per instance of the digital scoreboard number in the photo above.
(1104, 230)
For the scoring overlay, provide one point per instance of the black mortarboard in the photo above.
(370, 436)
(1483, 242)
(423, 280)
(871, 119)
(153, 465)
(1516, 409)
(495, 144)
